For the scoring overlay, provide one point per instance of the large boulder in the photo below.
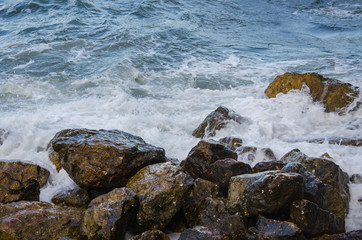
(38, 220)
(217, 120)
(333, 94)
(272, 229)
(21, 181)
(203, 155)
(202, 233)
(313, 220)
(78, 198)
(264, 192)
(162, 189)
(102, 159)
(109, 215)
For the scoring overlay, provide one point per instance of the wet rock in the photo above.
(100, 159)
(267, 166)
(3, 135)
(202, 233)
(263, 193)
(203, 154)
(38, 220)
(273, 229)
(356, 178)
(217, 120)
(334, 203)
(215, 217)
(357, 142)
(355, 124)
(314, 189)
(201, 189)
(233, 142)
(294, 155)
(221, 171)
(21, 181)
(75, 198)
(249, 154)
(151, 235)
(333, 94)
(109, 215)
(313, 220)
(162, 189)
(353, 235)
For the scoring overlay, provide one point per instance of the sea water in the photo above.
(157, 68)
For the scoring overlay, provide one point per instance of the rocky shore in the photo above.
(128, 185)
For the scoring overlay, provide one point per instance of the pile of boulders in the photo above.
(128, 185)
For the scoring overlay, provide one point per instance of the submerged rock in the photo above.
(357, 142)
(249, 154)
(21, 181)
(202, 233)
(356, 178)
(333, 94)
(233, 142)
(217, 120)
(75, 198)
(264, 192)
(313, 220)
(276, 230)
(101, 159)
(3, 135)
(109, 215)
(38, 220)
(151, 235)
(161, 189)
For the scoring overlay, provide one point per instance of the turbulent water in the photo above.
(156, 68)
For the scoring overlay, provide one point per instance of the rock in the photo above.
(313, 220)
(215, 217)
(334, 203)
(203, 154)
(294, 155)
(202, 233)
(21, 181)
(217, 120)
(356, 178)
(201, 189)
(314, 189)
(249, 154)
(221, 171)
(102, 159)
(233, 142)
(333, 94)
(357, 142)
(162, 189)
(267, 166)
(273, 229)
(38, 220)
(353, 235)
(109, 215)
(75, 198)
(263, 193)
(3, 135)
(151, 235)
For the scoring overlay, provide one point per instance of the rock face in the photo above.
(203, 155)
(21, 181)
(202, 233)
(313, 220)
(75, 198)
(38, 220)
(273, 229)
(217, 120)
(162, 189)
(263, 193)
(335, 95)
(151, 235)
(109, 215)
(99, 159)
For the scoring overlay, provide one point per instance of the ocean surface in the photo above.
(157, 68)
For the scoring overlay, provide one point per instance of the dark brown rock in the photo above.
(313, 220)
(335, 95)
(75, 198)
(263, 193)
(21, 181)
(233, 142)
(276, 230)
(109, 215)
(353, 235)
(99, 159)
(248, 154)
(151, 235)
(3, 135)
(267, 166)
(162, 189)
(202, 233)
(217, 120)
(203, 154)
(38, 220)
